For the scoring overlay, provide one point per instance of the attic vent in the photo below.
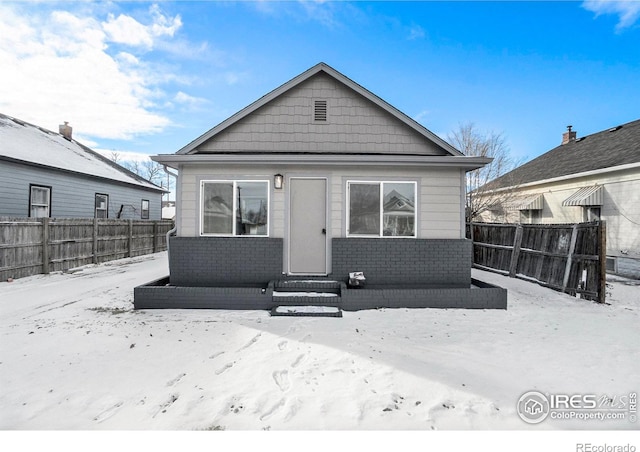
(320, 110)
(613, 129)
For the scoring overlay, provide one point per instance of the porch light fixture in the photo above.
(278, 181)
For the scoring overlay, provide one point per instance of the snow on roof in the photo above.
(35, 145)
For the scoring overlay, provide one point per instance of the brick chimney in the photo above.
(569, 136)
(65, 130)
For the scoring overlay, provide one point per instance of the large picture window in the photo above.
(234, 208)
(39, 201)
(381, 209)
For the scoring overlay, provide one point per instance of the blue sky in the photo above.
(149, 77)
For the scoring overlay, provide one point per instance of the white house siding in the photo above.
(354, 125)
(620, 209)
(439, 196)
(72, 195)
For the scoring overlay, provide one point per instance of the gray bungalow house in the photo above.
(318, 179)
(49, 174)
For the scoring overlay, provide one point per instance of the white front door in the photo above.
(308, 226)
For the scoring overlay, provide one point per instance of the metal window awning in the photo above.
(586, 196)
(527, 202)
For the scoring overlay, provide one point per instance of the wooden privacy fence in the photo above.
(567, 257)
(32, 246)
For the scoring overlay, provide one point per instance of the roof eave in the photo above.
(150, 187)
(462, 162)
(597, 172)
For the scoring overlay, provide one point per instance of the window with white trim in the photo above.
(381, 209)
(102, 205)
(144, 209)
(39, 201)
(234, 208)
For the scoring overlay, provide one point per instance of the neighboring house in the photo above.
(596, 177)
(315, 180)
(48, 174)
(168, 210)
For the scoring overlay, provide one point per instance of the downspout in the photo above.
(173, 231)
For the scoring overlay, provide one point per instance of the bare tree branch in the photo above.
(472, 142)
(115, 157)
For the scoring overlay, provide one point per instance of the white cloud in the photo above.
(416, 32)
(164, 25)
(191, 101)
(127, 30)
(422, 115)
(628, 11)
(61, 68)
(122, 156)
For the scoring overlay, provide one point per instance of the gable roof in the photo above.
(609, 148)
(26, 143)
(191, 148)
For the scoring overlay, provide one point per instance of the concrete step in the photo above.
(307, 298)
(295, 285)
(306, 311)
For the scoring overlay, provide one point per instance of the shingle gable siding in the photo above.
(354, 125)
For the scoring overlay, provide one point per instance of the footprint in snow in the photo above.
(283, 345)
(299, 360)
(274, 409)
(106, 414)
(251, 342)
(282, 380)
(165, 406)
(215, 355)
(225, 368)
(176, 380)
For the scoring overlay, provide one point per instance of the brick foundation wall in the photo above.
(224, 261)
(404, 262)
(244, 261)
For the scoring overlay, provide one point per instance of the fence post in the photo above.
(155, 236)
(515, 253)
(130, 241)
(602, 254)
(572, 249)
(45, 246)
(95, 240)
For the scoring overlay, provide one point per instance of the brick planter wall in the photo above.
(404, 262)
(224, 261)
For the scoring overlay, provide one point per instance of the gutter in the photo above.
(171, 232)
(597, 172)
(360, 160)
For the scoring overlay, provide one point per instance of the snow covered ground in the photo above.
(75, 356)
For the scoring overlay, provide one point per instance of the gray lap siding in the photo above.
(72, 195)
